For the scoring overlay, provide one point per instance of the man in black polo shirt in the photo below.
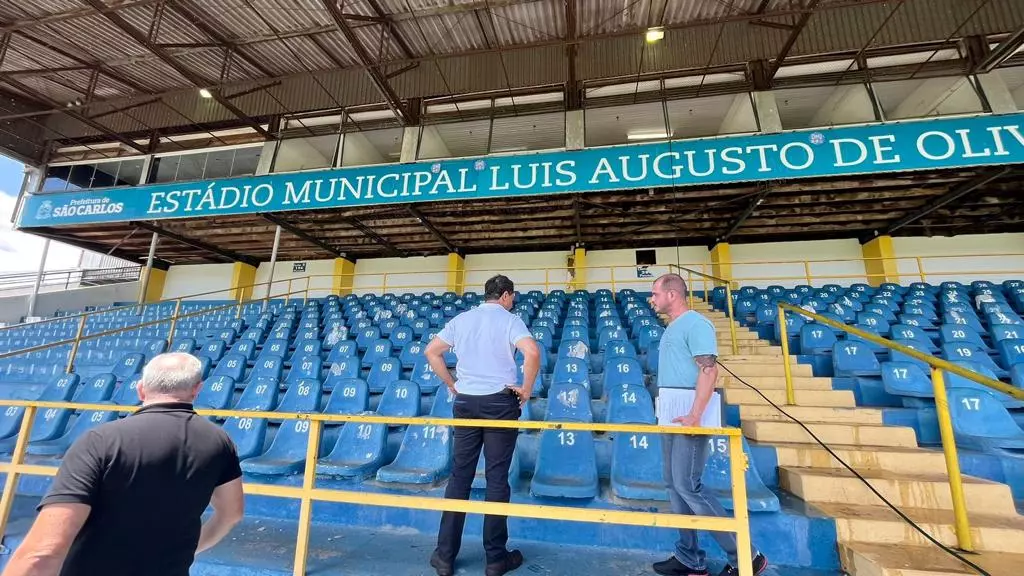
(129, 496)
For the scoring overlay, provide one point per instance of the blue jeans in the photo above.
(683, 464)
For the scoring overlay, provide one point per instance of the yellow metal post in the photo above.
(738, 468)
(704, 281)
(74, 347)
(732, 320)
(920, 268)
(305, 293)
(807, 272)
(689, 286)
(174, 321)
(11, 483)
(288, 296)
(956, 482)
(306, 505)
(384, 286)
(784, 337)
(613, 280)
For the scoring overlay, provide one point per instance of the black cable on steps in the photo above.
(952, 552)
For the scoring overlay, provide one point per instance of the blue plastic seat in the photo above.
(630, 405)
(571, 371)
(423, 375)
(850, 359)
(344, 369)
(287, 453)
(816, 339)
(366, 337)
(401, 336)
(267, 368)
(981, 422)
(569, 403)
(85, 421)
(967, 352)
(385, 371)
(306, 349)
(349, 396)
(343, 349)
(622, 371)
(51, 423)
(259, 395)
(216, 393)
(186, 345)
(401, 398)
(61, 389)
(619, 349)
(424, 457)
(127, 394)
(213, 349)
(957, 381)
(361, 449)
(566, 465)
(377, 350)
(717, 478)
(232, 366)
(411, 354)
(1011, 352)
(302, 396)
(244, 348)
(276, 348)
(306, 368)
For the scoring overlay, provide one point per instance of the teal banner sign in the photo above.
(877, 148)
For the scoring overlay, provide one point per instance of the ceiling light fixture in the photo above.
(205, 93)
(654, 34)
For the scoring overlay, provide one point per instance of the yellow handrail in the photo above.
(938, 365)
(728, 299)
(739, 523)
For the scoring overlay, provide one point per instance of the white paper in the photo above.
(675, 402)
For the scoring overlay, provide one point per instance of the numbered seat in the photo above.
(423, 375)
(816, 339)
(343, 349)
(379, 349)
(636, 471)
(244, 348)
(569, 403)
(51, 423)
(981, 422)
(964, 351)
(127, 394)
(566, 465)
(619, 349)
(267, 368)
(907, 379)
(411, 354)
(852, 359)
(957, 381)
(717, 478)
(366, 337)
(84, 422)
(571, 371)
(905, 332)
(622, 371)
(306, 368)
(401, 398)
(401, 336)
(343, 370)
(231, 366)
(1011, 352)
(349, 396)
(287, 453)
(260, 395)
(216, 393)
(185, 345)
(61, 389)
(306, 349)
(424, 457)
(384, 372)
(630, 404)
(276, 348)
(213, 349)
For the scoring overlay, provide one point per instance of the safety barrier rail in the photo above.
(689, 274)
(308, 493)
(937, 365)
(69, 277)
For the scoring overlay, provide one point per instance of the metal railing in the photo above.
(937, 365)
(689, 275)
(69, 278)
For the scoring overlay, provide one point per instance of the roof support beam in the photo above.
(199, 244)
(302, 235)
(369, 233)
(53, 234)
(372, 69)
(953, 195)
(573, 96)
(219, 39)
(199, 82)
(415, 213)
(805, 16)
(763, 190)
(1002, 52)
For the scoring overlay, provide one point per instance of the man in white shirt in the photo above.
(485, 340)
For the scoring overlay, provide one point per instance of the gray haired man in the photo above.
(130, 494)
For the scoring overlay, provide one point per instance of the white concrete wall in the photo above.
(955, 258)
(834, 262)
(320, 273)
(602, 264)
(399, 275)
(544, 271)
(12, 308)
(199, 278)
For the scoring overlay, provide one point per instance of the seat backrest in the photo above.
(979, 412)
(816, 338)
(630, 405)
(306, 367)
(98, 388)
(307, 348)
(216, 392)
(259, 394)
(275, 347)
(213, 349)
(443, 403)
(344, 368)
(60, 389)
(302, 396)
(127, 393)
(400, 398)
(378, 349)
(619, 349)
(569, 403)
(349, 396)
(1011, 352)
(411, 354)
(849, 357)
(423, 375)
(622, 371)
(384, 371)
(231, 365)
(571, 371)
(968, 352)
(906, 379)
(186, 345)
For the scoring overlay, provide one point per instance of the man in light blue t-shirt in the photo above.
(485, 340)
(687, 357)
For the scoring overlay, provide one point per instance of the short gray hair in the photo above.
(172, 374)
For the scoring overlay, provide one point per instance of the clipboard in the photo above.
(674, 402)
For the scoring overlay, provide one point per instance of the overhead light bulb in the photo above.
(205, 93)
(654, 34)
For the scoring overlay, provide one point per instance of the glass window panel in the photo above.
(164, 169)
(711, 116)
(191, 167)
(218, 164)
(455, 140)
(372, 147)
(106, 175)
(56, 178)
(246, 161)
(306, 153)
(532, 132)
(81, 176)
(130, 173)
(927, 97)
(821, 106)
(622, 124)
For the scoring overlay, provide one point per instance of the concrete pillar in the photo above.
(155, 288)
(1000, 99)
(740, 117)
(456, 273)
(880, 264)
(767, 110)
(721, 261)
(243, 276)
(410, 144)
(273, 264)
(266, 163)
(147, 271)
(575, 132)
(344, 276)
(579, 269)
(39, 279)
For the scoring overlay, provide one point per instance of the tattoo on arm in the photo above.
(705, 361)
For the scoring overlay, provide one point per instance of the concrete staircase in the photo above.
(872, 540)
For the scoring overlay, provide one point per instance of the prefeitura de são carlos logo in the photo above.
(45, 210)
(83, 207)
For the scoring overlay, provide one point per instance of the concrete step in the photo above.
(892, 459)
(813, 414)
(919, 490)
(846, 434)
(862, 559)
(832, 398)
(741, 334)
(760, 357)
(757, 368)
(880, 525)
(774, 382)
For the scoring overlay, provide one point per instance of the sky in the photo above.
(20, 252)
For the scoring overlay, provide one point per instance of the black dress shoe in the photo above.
(511, 561)
(673, 567)
(443, 568)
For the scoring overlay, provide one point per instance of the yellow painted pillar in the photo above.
(721, 261)
(880, 263)
(456, 273)
(344, 276)
(242, 278)
(579, 269)
(155, 287)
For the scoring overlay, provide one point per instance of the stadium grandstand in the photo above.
(302, 192)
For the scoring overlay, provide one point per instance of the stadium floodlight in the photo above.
(205, 93)
(654, 34)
